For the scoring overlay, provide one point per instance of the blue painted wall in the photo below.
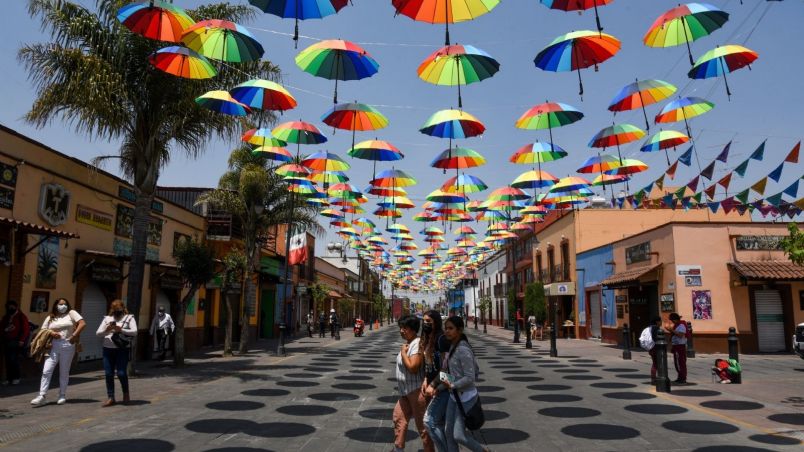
(595, 270)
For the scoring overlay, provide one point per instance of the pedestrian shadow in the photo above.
(251, 428)
(382, 435)
(130, 445)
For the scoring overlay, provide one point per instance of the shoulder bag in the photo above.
(120, 340)
(474, 418)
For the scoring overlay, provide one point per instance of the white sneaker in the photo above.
(61, 401)
(38, 401)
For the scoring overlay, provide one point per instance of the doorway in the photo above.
(209, 331)
(770, 321)
(643, 304)
(267, 308)
(594, 318)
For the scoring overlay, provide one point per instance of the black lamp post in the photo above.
(554, 321)
(474, 298)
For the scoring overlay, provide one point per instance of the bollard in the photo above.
(484, 327)
(371, 326)
(516, 331)
(528, 343)
(626, 342)
(553, 350)
(337, 331)
(734, 353)
(280, 350)
(690, 348)
(662, 381)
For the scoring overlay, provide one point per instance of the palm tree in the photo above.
(259, 198)
(95, 76)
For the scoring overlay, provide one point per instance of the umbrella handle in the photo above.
(296, 35)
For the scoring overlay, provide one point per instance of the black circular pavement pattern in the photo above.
(376, 434)
(524, 379)
(355, 377)
(569, 412)
(549, 387)
(519, 372)
(571, 371)
(778, 440)
(619, 369)
(304, 375)
(504, 435)
(131, 444)
(729, 448)
(297, 383)
(631, 376)
(490, 388)
(388, 399)
(582, 377)
(235, 405)
(382, 414)
(613, 385)
(695, 393)
(656, 408)
(699, 427)
(731, 405)
(600, 431)
(629, 395)
(557, 398)
(265, 392)
(320, 369)
(306, 410)
(491, 400)
(353, 386)
(493, 415)
(333, 396)
(788, 418)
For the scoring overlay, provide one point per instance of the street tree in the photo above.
(234, 267)
(535, 301)
(485, 308)
(196, 263)
(793, 245)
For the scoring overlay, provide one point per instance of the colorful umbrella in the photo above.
(577, 5)
(262, 137)
(354, 116)
(452, 124)
(293, 171)
(665, 139)
(577, 50)
(336, 59)
(457, 158)
(393, 178)
(298, 132)
(608, 179)
(547, 116)
(441, 196)
(426, 216)
(599, 164)
(569, 184)
(223, 40)
(628, 167)
(464, 183)
(182, 62)
(684, 24)
(222, 102)
(443, 11)
(275, 153)
(300, 10)
(377, 151)
(615, 135)
(537, 152)
(722, 60)
(457, 65)
(155, 19)
(683, 109)
(639, 94)
(263, 95)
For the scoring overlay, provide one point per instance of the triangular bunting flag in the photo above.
(648, 188)
(697, 197)
(792, 157)
(759, 187)
(686, 157)
(799, 203)
(708, 171)
(777, 173)
(693, 185)
(660, 182)
(710, 191)
(774, 200)
(724, 154)
(759, 153)
(725, 181)
(620, 202)
(741, 168)
(741, 209)
(686, 203)
(671, 172)
(638, 196)
(742, 196)
(669, 201)
(727, 204)
(792, 190)
(713, 206)
(680, 192)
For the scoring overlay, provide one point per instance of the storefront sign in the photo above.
(667, 302)
(691, 273)
(54, 204)
(6, 198)
(94, 218)
(759, 242)
(620, 311)
(637, 253)
(559, 289)
(8, 175)
(170, 281)
(105, 273)
(122, 248)
(129, 195)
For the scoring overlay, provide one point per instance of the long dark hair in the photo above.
(457, 322)
(55, 312)
(429, 340)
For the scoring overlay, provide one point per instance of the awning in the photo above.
(627, 277)
(38, 228)
(769, 270)
(334, 294)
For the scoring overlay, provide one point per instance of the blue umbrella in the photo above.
(300, 9)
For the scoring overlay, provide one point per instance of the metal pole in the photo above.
(474, 291)
(280, 350)
(690, 348)
(528, 342)
(734, 353)
(626, 342)
(554, 321)
(662, 381)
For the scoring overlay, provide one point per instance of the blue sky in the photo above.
(766, 101)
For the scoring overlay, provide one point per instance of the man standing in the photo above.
(679, 342)
(162, 326)
(310, 319)
(322, 324)
(15, 330)
(333, 322)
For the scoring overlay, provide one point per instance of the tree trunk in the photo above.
(227, 341)
(181, 313)
(251, 298)
(136, 272)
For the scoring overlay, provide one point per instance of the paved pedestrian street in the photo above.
(329, 395)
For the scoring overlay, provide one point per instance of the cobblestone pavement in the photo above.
(329, 395)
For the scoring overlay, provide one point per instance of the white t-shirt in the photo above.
(408, 382)
(64, 325)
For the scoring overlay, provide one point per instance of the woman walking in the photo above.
(409, 377)
(65, 327)
(462, 366)
(434, 346)
(116, 349)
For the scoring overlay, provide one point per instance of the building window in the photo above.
(565, 261)
(539, 266)
(551, 264)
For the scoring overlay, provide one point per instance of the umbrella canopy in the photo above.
(264, 95)
(377, 150)
(300, 9)
(344, 191)
(182, 62)
(222, 102)
(665, 139)
(641, 93)
(722, 60)
(441, 196)
(223, 40)
(608, 179)
(393, 178)
(683, 109)
(336, 59)
(292, 171)
(329, 177)
(155, 19)
(615, 135)
(262, 137)
(276, 153)
(354, 116)
(569, 184)
(577, 50)
(426, 216)
(508, 194)
(684, 24)
(464, 183)
(385, 191)
(548, 115)
(457, 65)
(599, 164)
(443, 11)
(577, 5)
(331, 213)
(629, 166)
(538, 152)
(458, 157)
(534, 179)
(299, 132)
(452, 124)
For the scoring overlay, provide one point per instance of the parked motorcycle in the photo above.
(798, 340)
(359, 327)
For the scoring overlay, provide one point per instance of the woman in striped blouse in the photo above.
(409, 377)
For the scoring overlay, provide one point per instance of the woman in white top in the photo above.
(66, 326)
(409, 378)
(114, 357)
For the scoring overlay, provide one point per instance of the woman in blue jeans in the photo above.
(462, 366)
(434, 345)
(115, 358)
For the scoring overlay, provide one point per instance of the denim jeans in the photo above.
(115, 359)
(434, 420)
(456, 430)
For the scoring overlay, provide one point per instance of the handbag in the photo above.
(121, 340)
(474, 418)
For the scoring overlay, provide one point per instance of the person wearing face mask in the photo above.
(15, 330)
(162, 326)
(116, 357)
(435, 346)
(65, 327)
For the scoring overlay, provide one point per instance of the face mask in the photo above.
(62, 308)
(427, 328)
(12, 310)
(161, 313)
(118, 313)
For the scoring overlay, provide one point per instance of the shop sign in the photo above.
(269, 266)
(692, 274)
(171, 281)
(54, 204)
(122, 248)
(8, 175)
(667, 302)
(6, 198)
(105, 273)
(637, 253)
(129, 195)
(94, 218)
(760, 242)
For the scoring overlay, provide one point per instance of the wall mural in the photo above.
(47, 263)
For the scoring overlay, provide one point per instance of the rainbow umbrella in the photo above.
(548, 115)
(683, 109)
(364, 222)
(641, 93)
(534, 179)
(443, 11)
(298, 132)
(385, 191)
(336, 59)
(599, 164)
(608, 179)
(343, 190)
(456, 65)
(325, 161)
(538, 152)
(398, 227)
(329, 176)
(432, 230)
(722, 60)
(275, 153)
(684, 24)
(398, 202)
(354, 116)
(463, 183)
(457, 158)
(377, 151)
(465, 230)
(264, 95)
(444, 197)
(577, 50)
(223, 40)
(577, 5)
(615, 135)
(331, 213)
(155, 19)
(425, 216)
(452, 124)
(300, 10)
(393, 178)
(665, 139)
(293, 171)
(222, 102)
(627, 168)
(570, 184)
(262, 137)
(182, 62)
(388, 213)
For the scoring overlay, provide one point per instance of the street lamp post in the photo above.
(554, 321)
(474, 298)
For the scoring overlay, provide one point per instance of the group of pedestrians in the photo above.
(322, 324)
(678, 341)
(435, 371)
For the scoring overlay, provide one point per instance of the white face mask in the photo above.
(161, 314)
(62, 308)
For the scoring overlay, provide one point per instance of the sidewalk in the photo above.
(770, 392)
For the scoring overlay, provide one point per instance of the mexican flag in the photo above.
(298, 248)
